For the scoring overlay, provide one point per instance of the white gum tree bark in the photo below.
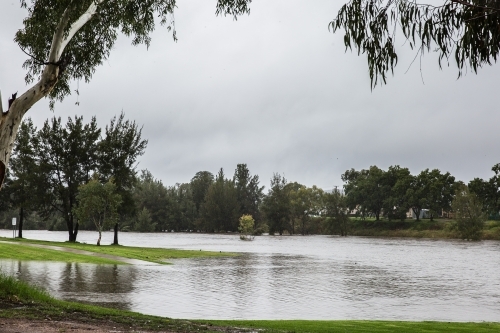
(17, 108)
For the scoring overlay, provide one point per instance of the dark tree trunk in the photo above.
(73, 232)
(115, 239)
(417, 213)
(21, 218)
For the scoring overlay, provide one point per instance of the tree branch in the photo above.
(55, 48)
(78, 24)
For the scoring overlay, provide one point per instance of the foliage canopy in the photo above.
(465, 30)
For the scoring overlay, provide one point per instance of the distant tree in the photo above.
(431, 190)
(246, 227)
(488, 191)
(248, 191)
(366, 188)
(464, 30)
(150, 194)
(337, 212)
(304, 203)
(416, 194)
(181, 209)
(117, 157)
(440, 193)
(199, 187)
(220, 209)
(144, 221)
(468, 213)
(276, 205)
(99, 203)
(396, 204)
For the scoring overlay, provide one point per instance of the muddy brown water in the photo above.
(289, 277)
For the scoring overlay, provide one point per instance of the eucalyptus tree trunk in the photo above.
(17, 107)
(99, 239)
(11, 119)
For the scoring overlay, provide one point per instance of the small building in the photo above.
(424, 214)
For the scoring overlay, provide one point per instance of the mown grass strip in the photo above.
(24, 252)
(156, 255)
(357, 326)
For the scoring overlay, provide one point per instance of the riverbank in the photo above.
(437, 229)
(24, 308)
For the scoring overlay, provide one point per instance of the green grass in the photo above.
(22, 252)
(354, 326)
(156, 255)
(20, 300)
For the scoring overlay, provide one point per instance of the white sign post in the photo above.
(14, 223)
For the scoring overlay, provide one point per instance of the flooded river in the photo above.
(289, 277)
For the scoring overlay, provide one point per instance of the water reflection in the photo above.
(291, 278)
(108, 285)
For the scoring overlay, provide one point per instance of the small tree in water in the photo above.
(468, 213)
(99, 203)
(246, 226)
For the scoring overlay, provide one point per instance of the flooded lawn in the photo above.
(312, 277)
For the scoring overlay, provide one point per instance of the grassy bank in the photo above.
(22, 252)
(19, 300)
(156, 255)
(355, 326)
(445, 229)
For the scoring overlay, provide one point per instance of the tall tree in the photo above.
(248, 192)
(150, 194)
(304, 203)
(117, 153)
(276, 205)
(488, 192)
(68, 157)
(399, 179)
(199, 187)
(366, 188)
(221, 208)
(464, 30)
(23, 165)
(181, 210)
(337, 212)
(440, 193)
(67, 40)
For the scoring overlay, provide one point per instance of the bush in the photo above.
(468, 214)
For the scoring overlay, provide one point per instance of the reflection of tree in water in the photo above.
(40, 275)
(108, 285)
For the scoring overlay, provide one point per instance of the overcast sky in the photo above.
(275, 90)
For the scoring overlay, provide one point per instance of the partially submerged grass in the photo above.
(355, 326)
(156, 255)
(23, 252)
(20, 300)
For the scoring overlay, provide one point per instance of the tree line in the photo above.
(58, 171)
